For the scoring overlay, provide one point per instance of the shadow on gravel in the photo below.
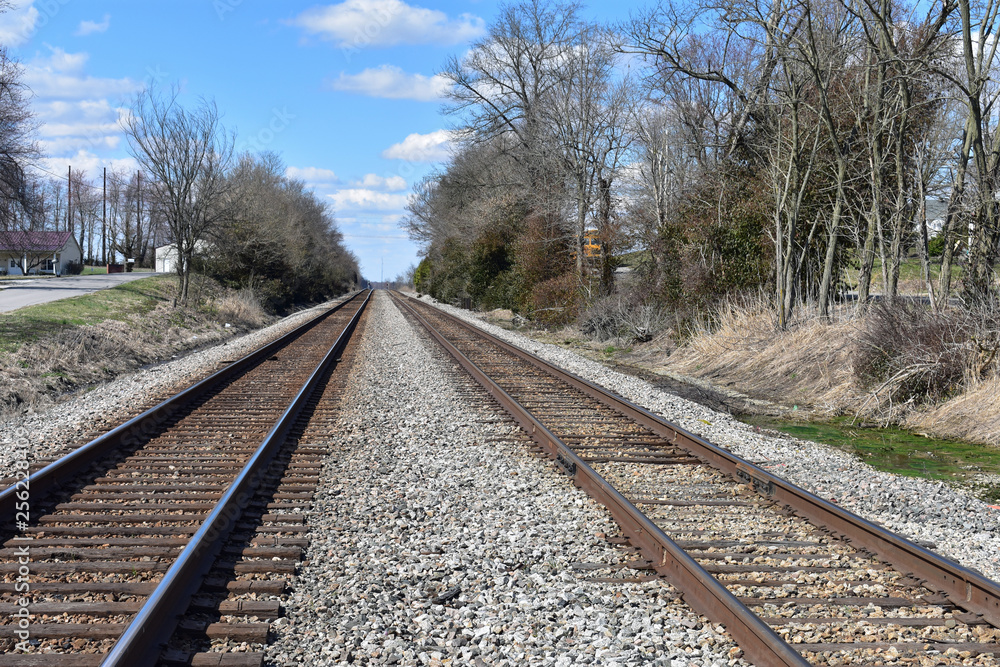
(716, 400)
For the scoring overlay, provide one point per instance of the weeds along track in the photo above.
(795, 579)
(178, 528)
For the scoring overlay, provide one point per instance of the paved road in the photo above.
(16, 294)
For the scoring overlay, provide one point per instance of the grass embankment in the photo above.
(901, 451)
(60, 346)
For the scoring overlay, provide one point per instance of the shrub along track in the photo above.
(192, 508)
(795, 579)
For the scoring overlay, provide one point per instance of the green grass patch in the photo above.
(633, 259)
(31, 323)
(894, 450)
(909, 269)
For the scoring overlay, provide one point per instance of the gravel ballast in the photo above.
(931, 513)
(436, 541)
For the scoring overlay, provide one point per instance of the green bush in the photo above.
(422, 276)
(935, 246)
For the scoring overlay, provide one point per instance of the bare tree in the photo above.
(187, 154)
(129, 234)
(17, 146)
(586, 114)
(979, 43)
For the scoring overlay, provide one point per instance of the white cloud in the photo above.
(391, 82)
(18, 23)
(73, 109)
(90, 27)
(391, 183)
(361, 23)
(364, 199)
(432, 147)
(68, 144)
(85, 161)
(70, 125)
(61, 76)
(312, 175)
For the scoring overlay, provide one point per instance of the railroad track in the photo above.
(172, 535)
(795, 579)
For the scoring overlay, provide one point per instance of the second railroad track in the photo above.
(795, 579)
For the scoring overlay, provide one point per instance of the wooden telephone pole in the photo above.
(104, 221)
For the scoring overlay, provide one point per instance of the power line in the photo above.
(60, 177)
(364, 236)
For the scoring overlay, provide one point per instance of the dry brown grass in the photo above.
(973, 415)
(809, 363)
(241, 307)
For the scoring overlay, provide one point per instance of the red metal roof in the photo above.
(33, 241)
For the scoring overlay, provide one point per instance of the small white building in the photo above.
(29, 252)
(166, 256)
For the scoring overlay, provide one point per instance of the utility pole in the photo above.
(69, 199)
(104, 221)
(138, 210)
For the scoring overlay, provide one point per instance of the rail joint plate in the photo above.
(761, 486)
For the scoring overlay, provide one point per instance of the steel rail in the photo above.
(700, 589)
(963, 587)
(144, 637)
(50, 478)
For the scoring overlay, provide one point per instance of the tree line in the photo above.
(789, 146)
(233, 216)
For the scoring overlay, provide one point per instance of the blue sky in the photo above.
(346, 92)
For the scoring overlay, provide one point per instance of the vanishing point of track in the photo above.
(164, 530)
(795, 579)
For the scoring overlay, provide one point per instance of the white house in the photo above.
(936, 210)
(38, 252)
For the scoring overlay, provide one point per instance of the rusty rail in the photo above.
(699, 588)
(49, 479)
